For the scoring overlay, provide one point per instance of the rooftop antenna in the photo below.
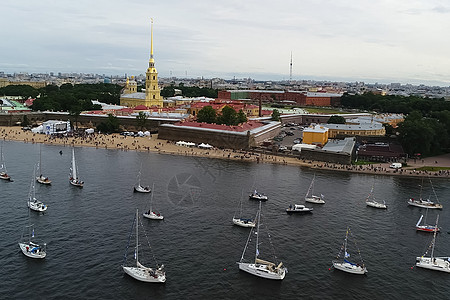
(290, 69)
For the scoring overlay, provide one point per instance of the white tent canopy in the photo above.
(180, 143)
(205, 146)
(39, 129)
(299, 147)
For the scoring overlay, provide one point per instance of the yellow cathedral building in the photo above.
(152, 97)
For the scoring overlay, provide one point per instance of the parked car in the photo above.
(395, 165)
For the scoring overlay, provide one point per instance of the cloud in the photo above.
(341, 38)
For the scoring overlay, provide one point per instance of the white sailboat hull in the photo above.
(36, 205)
(43, 180)
(424, 204)
(258, 197)
(349, 268)
(314, 199)
(145, 274)
(76, 183)
(4, 176)
(27, 250)
(376, 204)
(262, 270)
(152, 215)
(436, 263)
(243, 222)
(141, 189)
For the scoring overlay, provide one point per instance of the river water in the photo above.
(86, 230)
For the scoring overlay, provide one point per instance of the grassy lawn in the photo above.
(433, 169)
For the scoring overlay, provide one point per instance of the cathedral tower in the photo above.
(152, 92)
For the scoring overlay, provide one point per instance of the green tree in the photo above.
(75, 111)
(25, 121)
(228, 116)
(389, 129)
(415, 135)
(110, 126)
(141, 120)
(168, 91)
(241, 117)
(336, 120)
(207, 114)
(275, 115)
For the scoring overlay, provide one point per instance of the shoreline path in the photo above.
(153, 144)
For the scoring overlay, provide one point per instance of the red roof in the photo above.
(240, 128)
(141, 107)
(29, 102)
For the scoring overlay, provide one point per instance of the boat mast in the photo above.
(40, 160)
(257, 233)
(137, 239)
(33, 183)
(434, 192)
(248, 239)
(151, 197)
(240, 211)
(434, 238)
(74, 167)
(345, 242)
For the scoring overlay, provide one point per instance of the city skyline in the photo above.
(329, 40)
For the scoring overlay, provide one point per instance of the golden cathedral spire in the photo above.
(151, 42)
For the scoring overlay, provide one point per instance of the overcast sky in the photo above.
(338, 40)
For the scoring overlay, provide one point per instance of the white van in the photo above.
(395, 165)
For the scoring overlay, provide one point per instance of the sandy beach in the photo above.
(153, 144)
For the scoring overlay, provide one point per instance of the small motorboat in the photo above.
(298, 208)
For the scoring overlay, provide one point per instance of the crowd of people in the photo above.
(152, 143)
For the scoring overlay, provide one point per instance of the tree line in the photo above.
(229, 116)
(425, 130)
(66, 97)
(191, 91)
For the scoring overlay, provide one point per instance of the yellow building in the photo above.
(315, 135)
(36, 84)
(152, 96)
(364, 129)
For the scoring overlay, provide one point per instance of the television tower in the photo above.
(290, 69)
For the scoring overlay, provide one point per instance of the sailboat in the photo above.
(258, 196)
(310, 197)
(259, 267)
(32, 202)
(74, 180)
(425, 227)
(240, 221)
(3, 172)
(345, 264)
(370, 201)
(139, 188)
(432, 262)
(30, 248)
(150, 214)
(141, 272)
(41, 178)
(425, 203)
